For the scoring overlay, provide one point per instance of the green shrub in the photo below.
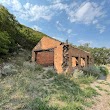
(32, 66)
(77, 73)
(92, 71)
(85, 80)
(38, 67)
(8, 70)
(90, 92)
(74, 106)
(38, 104)
(28, 65)
(104, 70)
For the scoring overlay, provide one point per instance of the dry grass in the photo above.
(44, 90)
(103, 88)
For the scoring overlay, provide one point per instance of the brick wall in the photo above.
(74, 52)
(46, 43)
(45, 58)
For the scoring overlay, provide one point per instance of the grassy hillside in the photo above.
(34, 88)
(13, 34)
(28, 86)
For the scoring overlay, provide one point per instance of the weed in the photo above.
(85, 80)
(39, 104)
(104, 70)
(90, 92)
(77, 74)
(107, 83)
(105, 90)
(74, 106)
(99, 88)
(89, 104)
(33, 88)
(92, 71)
(108, 93)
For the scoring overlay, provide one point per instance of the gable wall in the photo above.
(46, 43)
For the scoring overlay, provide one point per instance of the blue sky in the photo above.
(79, 21)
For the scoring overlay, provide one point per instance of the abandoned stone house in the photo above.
(62, 56)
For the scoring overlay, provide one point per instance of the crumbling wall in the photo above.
(65, 62)
(66, 57)
(82, 58)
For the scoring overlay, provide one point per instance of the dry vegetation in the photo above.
(33, 88)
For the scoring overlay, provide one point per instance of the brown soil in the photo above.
(102, 101)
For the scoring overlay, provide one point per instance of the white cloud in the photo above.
(33, 12)
(15, 4)
(101, 28)
(86, 13)
(59, 6)
(29, 11)
(27, 5)
(36, 12)
(84, 41)
(37, 28)
(69, 31)
(95, 22)
(59, 26)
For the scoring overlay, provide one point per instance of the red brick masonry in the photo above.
(64, 57)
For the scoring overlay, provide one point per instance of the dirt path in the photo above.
(101, 102)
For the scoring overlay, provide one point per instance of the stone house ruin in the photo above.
(62, 56)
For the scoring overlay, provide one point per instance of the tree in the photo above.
(4, 43)
(85, 47)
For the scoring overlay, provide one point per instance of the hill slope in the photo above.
(35, 88)
(13, 33)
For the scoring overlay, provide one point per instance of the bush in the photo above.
(90, 92)
(77, 73)
(38, 104)
(38, 67)
(104, 70)
(8, 70)
(92, 71)
(28, 65)
(0, 73)
(32, 66)
(85, 80)
(74, 106)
